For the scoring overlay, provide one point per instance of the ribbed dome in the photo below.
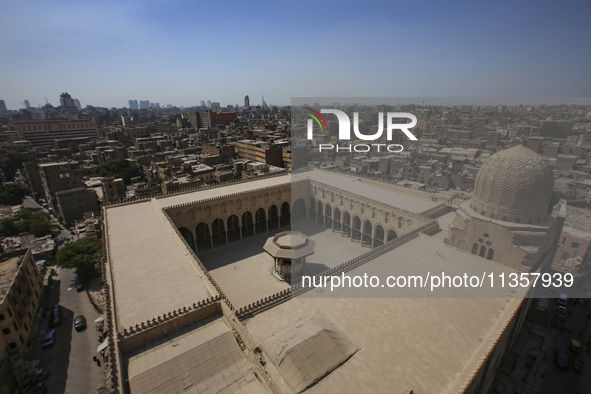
(514, 185)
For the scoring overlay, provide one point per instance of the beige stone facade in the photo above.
(161, 293)
(507, 219)
(20, 289)
(218, 221)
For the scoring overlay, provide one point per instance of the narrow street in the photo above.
(69, 359)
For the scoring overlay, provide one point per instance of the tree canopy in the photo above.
(10, 163)
(118, 168)
(26, 220)
(13, 193)
(39, 228)
(8, 228)
(236, 176)
(83, 256)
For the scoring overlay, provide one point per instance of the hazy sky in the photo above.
(180, 52)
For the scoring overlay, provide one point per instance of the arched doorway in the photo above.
(298, 212)
(391, 235)
(273, 217)
(320, 213)
(285, 214)
(346, 224)
(327, 216)
(218, 232)
(482, 251)
(261, 221)
(233, 226)
(337, 220)
(247, 225)
(378, 238)
(356, 229)
(366, 240)
(202, 237)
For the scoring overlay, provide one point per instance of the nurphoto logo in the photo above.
(345, 130)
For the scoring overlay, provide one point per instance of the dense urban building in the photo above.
(47, 132)
(74, 203)
(113, 189)
(20, 293)
(58, 177)
(67, 101)
(205, 119)
(133, 104)
(263, 152)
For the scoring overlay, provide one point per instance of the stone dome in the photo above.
(514, 185)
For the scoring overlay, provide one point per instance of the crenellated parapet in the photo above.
(160, 195)
(151, 329)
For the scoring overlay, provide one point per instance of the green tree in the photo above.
(10, 163)
(236, 176)
(38, 223)
(157, 180)
(118, 168)
(40, 228)
(13, 193)
(40, 215)
(24, 214)
(83, 256)
(8, 227)
(23, 219)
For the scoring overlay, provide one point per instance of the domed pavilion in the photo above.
(507, 219)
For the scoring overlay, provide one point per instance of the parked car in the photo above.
(578, 364)
(79, 286)
(80, 323)
(48, 338)
(56, 317)
(575, 345)
(561, 359)
(561, 312)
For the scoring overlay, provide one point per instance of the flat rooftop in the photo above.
(425, 256)
(424, 345)
(578, 219)
(241, 187)
(382, 192)
(8, 270)
(153, 273)
(201, 358)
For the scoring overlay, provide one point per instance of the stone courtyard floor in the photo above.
(245, 271)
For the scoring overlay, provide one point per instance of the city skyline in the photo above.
(139, 51)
